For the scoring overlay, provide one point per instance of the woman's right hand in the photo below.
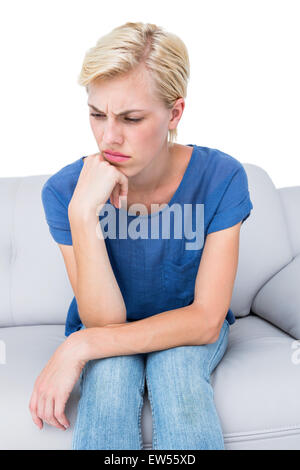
(98, 181)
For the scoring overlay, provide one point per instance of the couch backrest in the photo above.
(35, 288)
(264, 240)
(278, 299)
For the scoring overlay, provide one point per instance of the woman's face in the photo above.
(142, 134)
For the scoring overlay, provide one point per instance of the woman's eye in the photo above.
(128, 119)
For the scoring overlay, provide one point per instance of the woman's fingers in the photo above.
(121, 184)
(38, 421)
(59, 412)
(120, 190)
(124, 185)
(49, 414)
(33, 411)
(40, 408)
(115, 195)
(99, 155)
(48, 410)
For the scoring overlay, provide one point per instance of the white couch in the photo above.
(257, 383)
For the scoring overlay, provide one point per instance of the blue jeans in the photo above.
(184, 415)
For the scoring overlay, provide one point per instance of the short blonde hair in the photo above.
(127, 46)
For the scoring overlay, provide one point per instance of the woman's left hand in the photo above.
(53, 386)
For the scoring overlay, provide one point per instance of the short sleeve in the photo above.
(56, 213)
(235, 204)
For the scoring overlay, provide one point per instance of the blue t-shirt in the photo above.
(158, 273)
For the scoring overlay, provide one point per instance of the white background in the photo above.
(243, 94)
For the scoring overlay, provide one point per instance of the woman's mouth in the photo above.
(115, 158)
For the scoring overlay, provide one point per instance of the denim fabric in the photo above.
(184, 415)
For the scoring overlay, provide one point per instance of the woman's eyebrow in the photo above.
(121, 114)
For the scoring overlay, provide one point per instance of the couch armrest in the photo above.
(278, 301)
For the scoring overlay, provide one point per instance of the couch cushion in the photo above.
(256, 389)
(27, 350)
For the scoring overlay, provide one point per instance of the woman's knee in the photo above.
(108, 375)
(183, 359)
(190, 360)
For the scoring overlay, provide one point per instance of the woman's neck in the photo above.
(155, 175)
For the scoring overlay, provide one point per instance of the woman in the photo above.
(144, 309)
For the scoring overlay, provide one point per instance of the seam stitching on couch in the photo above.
(263, 431)
(265, 338)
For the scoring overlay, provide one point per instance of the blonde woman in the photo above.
(146, 312)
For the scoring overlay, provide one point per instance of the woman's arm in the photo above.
(184, 326)
(98, 295)
(195, 324)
